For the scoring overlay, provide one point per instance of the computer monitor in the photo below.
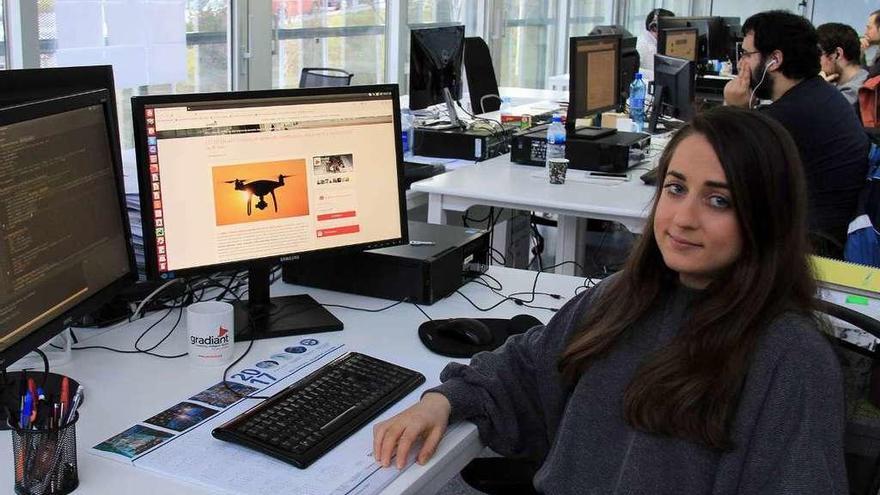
(435, 57)
(66, 245)
(629, 56)
(712, 32)
(244, 180)
(594, 73)
(678, 42)
(674, 82)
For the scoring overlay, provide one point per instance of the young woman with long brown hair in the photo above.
(700, 368)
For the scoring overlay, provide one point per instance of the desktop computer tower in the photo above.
(615, 153)
(470, 144)
(443, 258)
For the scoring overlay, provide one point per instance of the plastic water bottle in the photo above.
(507, 111)
(555, 139)
(407, 120)
(637, 92)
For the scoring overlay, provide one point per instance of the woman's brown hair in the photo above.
(690, 388)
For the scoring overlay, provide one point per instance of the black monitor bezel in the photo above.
(577, 108)
(662, 34)
(139, 103)
(709, 29)
(680, 64)
(417, 101)
(45, 108)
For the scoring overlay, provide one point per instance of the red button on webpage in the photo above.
(348, 229)
(334, 216)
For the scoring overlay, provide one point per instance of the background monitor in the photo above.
(594, 75)
(247, 179)
(674, 82)
(678, 42)
(435, 58)
(629, 56)
(66, 245)
(713, 34)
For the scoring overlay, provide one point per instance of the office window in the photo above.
(584, 15)
(172, 46)
(3, 46)
(528, 45)
(339, 34)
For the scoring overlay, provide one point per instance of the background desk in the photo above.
(124, 389)
(497, 182)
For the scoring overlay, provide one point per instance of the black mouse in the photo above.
(466, 330)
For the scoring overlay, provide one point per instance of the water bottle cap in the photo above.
(638, 75)
(505, 99)
(557, 118)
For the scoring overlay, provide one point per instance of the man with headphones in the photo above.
(779, 61)
(646, 44)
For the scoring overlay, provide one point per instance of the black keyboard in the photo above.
(307, 419)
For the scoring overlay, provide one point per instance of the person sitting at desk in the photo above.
(780, 62)
(871, 38)
(839, 59)
(700, 368)
(646, 44)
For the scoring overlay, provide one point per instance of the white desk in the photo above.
(499, 183)
(122, 390)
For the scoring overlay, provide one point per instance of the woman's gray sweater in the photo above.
(788, 431)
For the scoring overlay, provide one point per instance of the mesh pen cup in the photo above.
(45, 459)
(556, 168)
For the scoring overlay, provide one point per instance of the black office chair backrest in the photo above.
(862, 388)
(316, 77)
(482, 84)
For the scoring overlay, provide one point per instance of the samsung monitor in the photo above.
(66, 245)
(435, 58)
(674, 83)
(678, 43)
(593, 85)
(248, 179)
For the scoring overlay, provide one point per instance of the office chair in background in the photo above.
(861, 378)
(317, 77)
(482, 84)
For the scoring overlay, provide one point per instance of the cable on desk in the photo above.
(423, 311)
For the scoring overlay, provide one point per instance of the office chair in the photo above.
(317, 77)
(482, 84)
(861, 378)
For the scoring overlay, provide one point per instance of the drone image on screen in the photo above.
(260, 188)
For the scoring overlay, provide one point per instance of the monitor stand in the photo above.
(262, 317)
(10, 395)
(659, 100)
(590, 132)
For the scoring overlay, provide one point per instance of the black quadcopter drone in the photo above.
(260, 188)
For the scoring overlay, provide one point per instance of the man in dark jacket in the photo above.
(780, 62)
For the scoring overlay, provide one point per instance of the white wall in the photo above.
(852, 12)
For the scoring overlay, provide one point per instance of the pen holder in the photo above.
(45, 459)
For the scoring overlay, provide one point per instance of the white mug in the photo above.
(211, 336)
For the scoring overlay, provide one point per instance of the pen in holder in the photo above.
(45, 459)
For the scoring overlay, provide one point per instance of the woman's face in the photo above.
(695, 224)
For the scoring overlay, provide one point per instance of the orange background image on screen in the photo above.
(682, 45)
(601, 84)
(291, 198)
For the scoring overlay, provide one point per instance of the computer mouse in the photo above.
(466, 330)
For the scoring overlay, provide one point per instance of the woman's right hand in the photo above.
(426, 420)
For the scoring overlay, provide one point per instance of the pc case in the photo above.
(470, 144)
(444, 258)
(614, 153)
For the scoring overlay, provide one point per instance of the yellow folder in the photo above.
(849, 277)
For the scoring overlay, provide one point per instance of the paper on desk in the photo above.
(180, 449)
